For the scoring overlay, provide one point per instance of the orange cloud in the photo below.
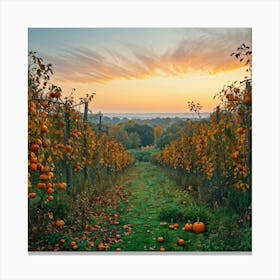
(209, 52)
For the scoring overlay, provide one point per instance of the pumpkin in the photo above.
(60, 223)
(101, 247)
(75, 247)
(34, 147)
(60, 146)
(68, 148)
(41, 185)
(33, 166)
(44, 128)
(39, 141)
(73, 243)
(198, 227)
(162, 249)
(44, 177)
(50, 190)
(160, 239)
(181, 242)
(32, 195)
(118, 236)
(188, 226)
(118, 249)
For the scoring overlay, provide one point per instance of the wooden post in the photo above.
(85, 137)
(100, 122)
(68, 166)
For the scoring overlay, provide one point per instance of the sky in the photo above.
(140, 70)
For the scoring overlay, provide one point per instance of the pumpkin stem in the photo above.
(171, 220)
(189, 221)
(198, 219)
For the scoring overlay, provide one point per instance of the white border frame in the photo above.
(262, 16)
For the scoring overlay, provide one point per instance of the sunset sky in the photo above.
(142, 69)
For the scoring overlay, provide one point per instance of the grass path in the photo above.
(151, 191)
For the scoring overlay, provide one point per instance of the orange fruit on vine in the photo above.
(34, 147)
(44, 128)
(68, 148)
(60, 146)
(41, 185)
(73, 243)
(118, 236)
(162, 249)
(39, 141)
(75, 247)
(32, 195)
(33, 166)
(62, 186)
(50, 198)
(50, 190)
(44, 177)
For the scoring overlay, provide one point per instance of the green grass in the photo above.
(155, 199)
(148, 198)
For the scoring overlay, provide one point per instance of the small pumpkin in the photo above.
(188, 226)
(101, 247)
(198, 227)
(32, 195)
(181, 242)
(160, 239)
(60, 223)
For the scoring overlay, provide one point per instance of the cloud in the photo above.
(206, 50)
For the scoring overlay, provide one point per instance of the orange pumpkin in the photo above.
(75, 247)
(44, 177)
(160, 239)
(60, 223)
(41, 185)
(50, 190)
(118, 236)
(181, 242)
(32, 195)
(101, 247)
(68, 148)
(39, 141)
(198, 227)
(34, 147)
(33, 166)
(50, 198)
(44, 128)
(162, 249)
(188, 226)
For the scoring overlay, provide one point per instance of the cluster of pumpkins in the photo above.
(197, 227)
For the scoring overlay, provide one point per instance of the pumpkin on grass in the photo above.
(198, 227)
